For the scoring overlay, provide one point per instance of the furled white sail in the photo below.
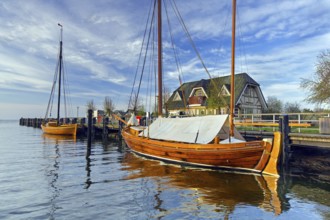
(201, 130)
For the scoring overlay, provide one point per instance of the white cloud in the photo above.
(102, 42)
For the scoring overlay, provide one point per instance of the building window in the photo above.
(248, 110)
(223, 111)
(237, 112)
(198, 92)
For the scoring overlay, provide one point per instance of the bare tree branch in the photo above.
(319, 85)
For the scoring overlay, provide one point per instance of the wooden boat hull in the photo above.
(67, 129)
(255, 156)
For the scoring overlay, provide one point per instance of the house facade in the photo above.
(206, 97)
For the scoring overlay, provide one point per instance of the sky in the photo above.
(277, 44)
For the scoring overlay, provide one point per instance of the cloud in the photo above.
(278, 44)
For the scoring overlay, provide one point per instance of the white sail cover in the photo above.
(201, 130)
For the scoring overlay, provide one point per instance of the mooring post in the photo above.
(286, 147)
(89, 127)
(105, 127)
(35, 122)
(120, 127)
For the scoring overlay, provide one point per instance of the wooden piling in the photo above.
(286, 145)
(89, 127)
(105, 128)
(121, 125)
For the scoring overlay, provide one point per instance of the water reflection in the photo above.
(52, 173)
(88, 181)
(148, 189)
(223, 190)
(52, 170)
(58, 138)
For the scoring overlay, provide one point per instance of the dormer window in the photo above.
(177, 97)
(198, 91)
(197, 97)
(224, 91)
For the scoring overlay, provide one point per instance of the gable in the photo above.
(224, 91)
(177, 97)
(252, 95)
(198, 91)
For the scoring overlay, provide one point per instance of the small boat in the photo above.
(65, 129)
(209, 141)
(54, 126)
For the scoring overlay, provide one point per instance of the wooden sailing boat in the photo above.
(202, 141)
(55, 127)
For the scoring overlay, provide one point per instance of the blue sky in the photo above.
(277, 44)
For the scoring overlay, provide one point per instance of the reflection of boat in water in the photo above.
(59, 138)
(226, 190)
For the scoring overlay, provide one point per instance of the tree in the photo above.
(166, 95)
(108, 105)
(136, 106)
(290, 107)
(319, 85)
(90, 105)
(321, 110)
(307, 110)
(274, 105)
(216, 98)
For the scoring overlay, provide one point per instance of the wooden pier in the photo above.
(107, 128)
(296, 139)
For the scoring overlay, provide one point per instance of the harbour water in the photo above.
(49, 177)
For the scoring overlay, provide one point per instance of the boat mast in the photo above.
(232, 81)
(160, 75)
(59, 77)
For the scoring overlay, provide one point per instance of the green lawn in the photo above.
(310, 130)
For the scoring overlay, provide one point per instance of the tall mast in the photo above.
(59, 77)
(232, 81)
(160, 75)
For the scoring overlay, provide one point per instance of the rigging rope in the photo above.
(140, 55)
(145, 46)
(241, 47)
(145, 58)
(51, 97)
(67, 91)
(176, 10)
(177, 60)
